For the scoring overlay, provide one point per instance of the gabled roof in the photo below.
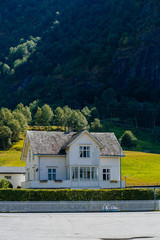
(18, 170)
(53, 143)
(77, 135)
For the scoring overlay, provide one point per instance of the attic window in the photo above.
(84, 152)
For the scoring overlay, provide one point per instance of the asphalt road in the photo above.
(89, 226)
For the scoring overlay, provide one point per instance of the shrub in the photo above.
(128, 140)
(5, 184)
(75, 195)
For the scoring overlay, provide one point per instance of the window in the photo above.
(51, 174)
(87, 173)
(8, 177)
(74, 173)
(84, 152)
(106, 174)
(94, 173)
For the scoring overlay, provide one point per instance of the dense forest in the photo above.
(102, 54)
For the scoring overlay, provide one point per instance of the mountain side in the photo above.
(72, 53)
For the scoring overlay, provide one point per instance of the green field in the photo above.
(139, 168)
(12, 156)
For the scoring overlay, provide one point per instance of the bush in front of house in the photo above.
(5, 184)
(128, 140)
(75, 195)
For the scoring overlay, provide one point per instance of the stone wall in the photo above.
(79, 206)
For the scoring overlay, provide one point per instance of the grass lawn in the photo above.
(141, 168)
(12, 156)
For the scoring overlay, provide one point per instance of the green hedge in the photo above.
(76, 195)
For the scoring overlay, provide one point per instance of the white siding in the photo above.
(16, 179)
(112, 163)
(84, 140)
(54, 162)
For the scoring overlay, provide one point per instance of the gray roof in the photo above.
(14, 170)
(53, 143)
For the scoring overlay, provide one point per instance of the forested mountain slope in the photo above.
(80, 52)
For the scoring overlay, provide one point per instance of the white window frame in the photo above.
(74, 173)
(84, 173)
(106, 174)
(53, 173)
(84, 151)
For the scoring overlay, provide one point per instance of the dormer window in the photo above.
(84, 151)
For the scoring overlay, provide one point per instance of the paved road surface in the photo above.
(89, 226)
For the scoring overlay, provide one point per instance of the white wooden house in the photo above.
(71, 160)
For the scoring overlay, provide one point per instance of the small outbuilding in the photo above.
(14, 175)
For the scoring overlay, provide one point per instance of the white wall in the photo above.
(16, 179)
(55, 162)
(74, 158)
(31, 165)
(112, 163)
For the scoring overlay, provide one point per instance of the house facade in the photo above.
(14, 175)
(71, 160)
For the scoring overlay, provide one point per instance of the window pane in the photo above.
(84, 153)
(88, 154)
(108, 177)
(108, 170)
(81, 172)
(49, 170)
(85, 173)
(54, 176)
(76, 172)
(88, 173)
(104, 170)
(49, 176)
(80, 154)
(53, 170)
(84, 148)
(104, 177)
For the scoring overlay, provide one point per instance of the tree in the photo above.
(67, 116)
(5, 115)
(15, 127)
(86, 112)
(21, 119)
(59, 116)
(96, 125)
(47, 115)
(38, 117)
(94, 113)
(128, 140)
(6, 69)
(5, 137)
(5, 184)
(25, 111)
(78, 121)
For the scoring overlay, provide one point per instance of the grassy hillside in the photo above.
(147, 141)
(141, 168)
(12, 156)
